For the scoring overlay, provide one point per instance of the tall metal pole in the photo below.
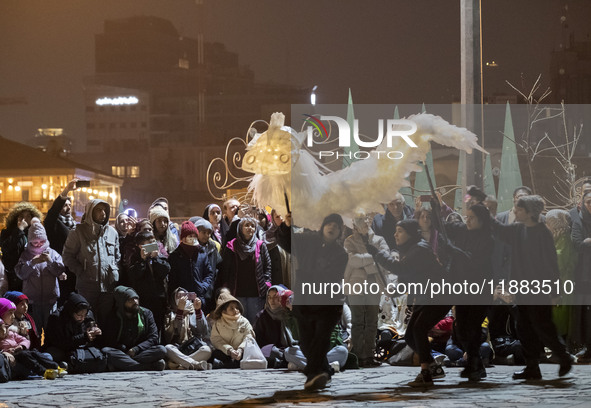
(471, 85)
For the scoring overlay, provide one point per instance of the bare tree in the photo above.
(563, 151)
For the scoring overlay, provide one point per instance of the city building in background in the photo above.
(52, 140)
(161, 106)
(29, 174)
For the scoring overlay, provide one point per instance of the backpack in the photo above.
(87, 360)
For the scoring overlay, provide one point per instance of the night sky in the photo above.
(386, 51)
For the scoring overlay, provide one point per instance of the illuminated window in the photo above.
(118, 171)
(133, 171)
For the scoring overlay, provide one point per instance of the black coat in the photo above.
(122, 333)
(57, 231)
(65, 333)
(147, 277)
(194, 274)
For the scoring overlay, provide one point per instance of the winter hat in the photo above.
(5, 306)
(203, 223)
(221, 303)
(188, 228)
(412, 228)
(156, 213)
(36, 230)
(16, 297)
(286, 297)
(533, 204)
(195, 219)
(333, 218)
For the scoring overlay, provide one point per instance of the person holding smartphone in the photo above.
(147, 275)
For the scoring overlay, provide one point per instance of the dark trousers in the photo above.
(469, 330)
(144, 361)
(316, 324)
(225, 359)
(423, 318)
(31, 361)
(536, 329)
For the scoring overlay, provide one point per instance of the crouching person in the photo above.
(230, 331)
(185, 330)
(131, 335)
(72, 327)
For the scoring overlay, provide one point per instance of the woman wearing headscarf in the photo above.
(213, 213)
(280, 259)
(246, 268)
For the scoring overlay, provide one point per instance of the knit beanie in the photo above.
(203, 223)
(156, 213)
(412, 228)
(188, 228)
(36, 230)
(16, 297)
(5, 306)
(533, 204)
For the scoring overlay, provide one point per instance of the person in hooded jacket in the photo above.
(40, 267)
(417, 263)
(92, 253)
(70, 327)
(13, 239)
(131, 335)
(246, 268)
(384, 225)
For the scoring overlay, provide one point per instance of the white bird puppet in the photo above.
(282, 166)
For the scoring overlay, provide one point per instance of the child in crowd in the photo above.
(230, 331)
(23, 322)
(185, 328)
(26, 362)
(40, 267)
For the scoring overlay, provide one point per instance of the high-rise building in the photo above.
(570, 73)
(161, 106)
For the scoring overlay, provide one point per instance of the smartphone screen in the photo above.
(150, 247)
(82, 183)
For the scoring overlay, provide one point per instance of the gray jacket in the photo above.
(91, 252)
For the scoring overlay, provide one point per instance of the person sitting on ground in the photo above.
(23, 322)
(185, 326)
(272, 328)
(70, 327)
(131, 335)
(26, 362)
(230, 331)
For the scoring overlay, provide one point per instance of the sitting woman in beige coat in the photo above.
(230, 331)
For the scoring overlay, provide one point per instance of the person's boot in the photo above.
(474, 371)
(566, 364)
(424, 379)
(528, 373)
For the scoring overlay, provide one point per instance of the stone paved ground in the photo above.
(377, 387)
